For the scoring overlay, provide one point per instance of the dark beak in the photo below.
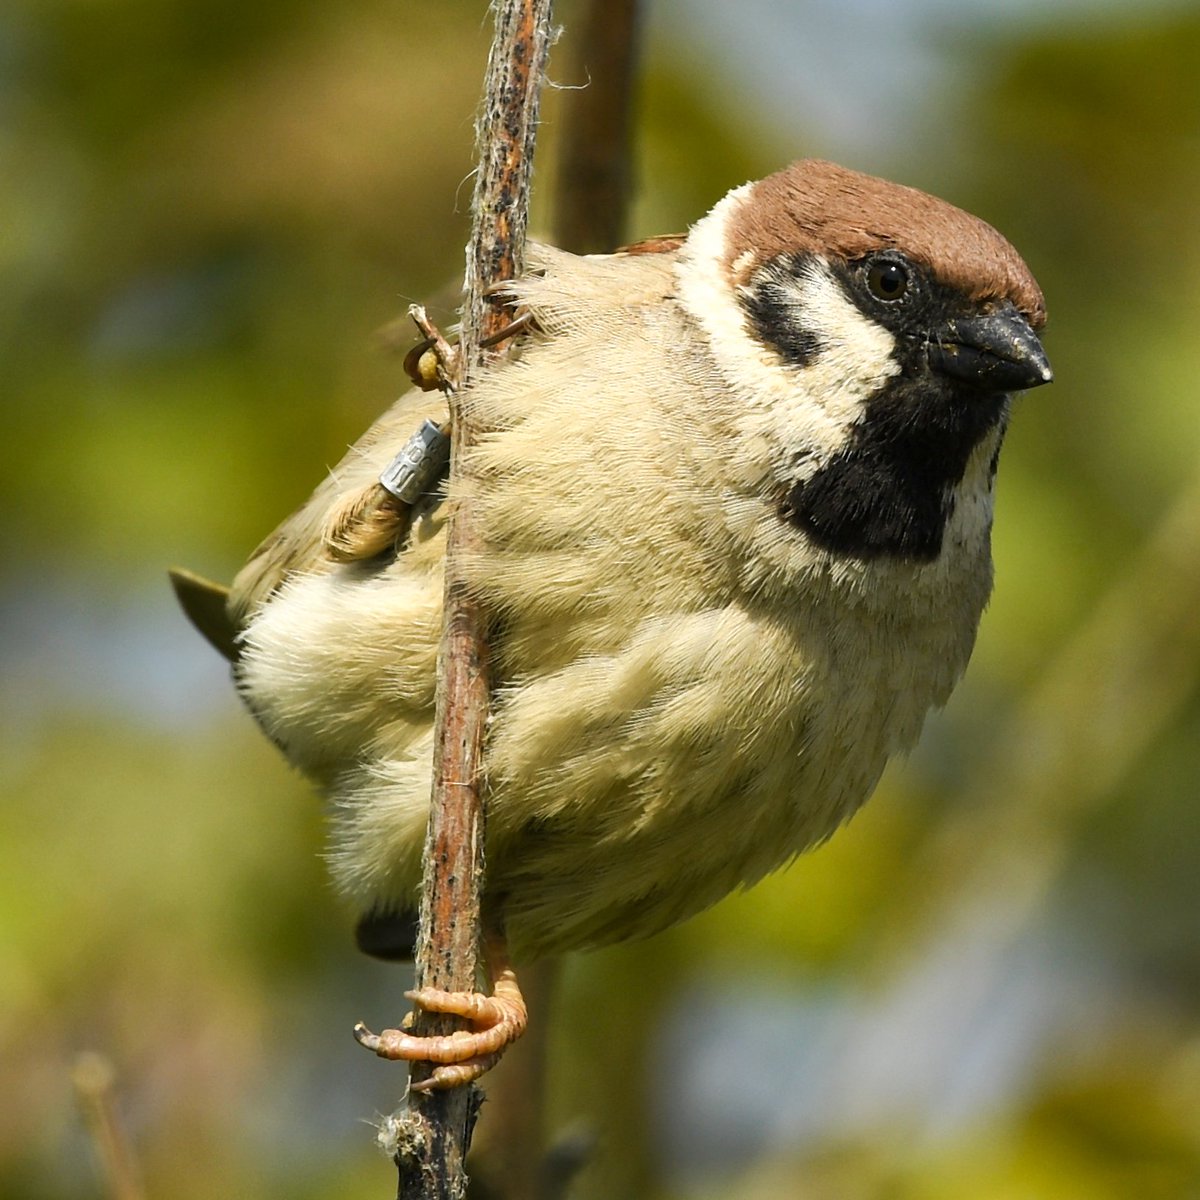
(998, 352)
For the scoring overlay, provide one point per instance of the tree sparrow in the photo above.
(734, 520)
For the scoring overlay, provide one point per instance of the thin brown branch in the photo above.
(595, 172)
(510, 1155)
(435, 1132)
(506, 135)
(594, 152)
(94, 1079)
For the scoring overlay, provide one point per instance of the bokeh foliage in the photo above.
(985, 986)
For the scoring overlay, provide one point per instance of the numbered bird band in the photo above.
(418, 467)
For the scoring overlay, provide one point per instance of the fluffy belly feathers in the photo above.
(627, 788)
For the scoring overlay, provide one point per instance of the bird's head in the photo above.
(870, 336)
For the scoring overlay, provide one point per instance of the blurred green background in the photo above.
(987, 986)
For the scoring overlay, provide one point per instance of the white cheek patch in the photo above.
(811, 408)
(856, 354)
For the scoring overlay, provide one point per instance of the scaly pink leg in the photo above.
(498, 1020)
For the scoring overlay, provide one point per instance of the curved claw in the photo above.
(450, 1075)
(459, 1057)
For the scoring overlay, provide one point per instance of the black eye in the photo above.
(887, 280)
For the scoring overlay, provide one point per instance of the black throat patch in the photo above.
(890, 492)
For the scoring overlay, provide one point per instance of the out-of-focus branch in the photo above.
(433, 1135)
(1101, 700)
(94, 1080)
(595, 157)
(510, 1158)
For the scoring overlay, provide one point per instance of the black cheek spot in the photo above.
(772, 311)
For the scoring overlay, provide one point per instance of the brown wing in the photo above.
(663, 244)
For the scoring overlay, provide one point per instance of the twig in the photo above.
(94, 1079)
(595, 156)
(510, 1157)
(435, 1132)
(594, 153)
(506, 134)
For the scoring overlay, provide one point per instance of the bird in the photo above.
(733, 512)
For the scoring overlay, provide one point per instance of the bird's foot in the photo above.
(460, 1057)
(433, 364)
